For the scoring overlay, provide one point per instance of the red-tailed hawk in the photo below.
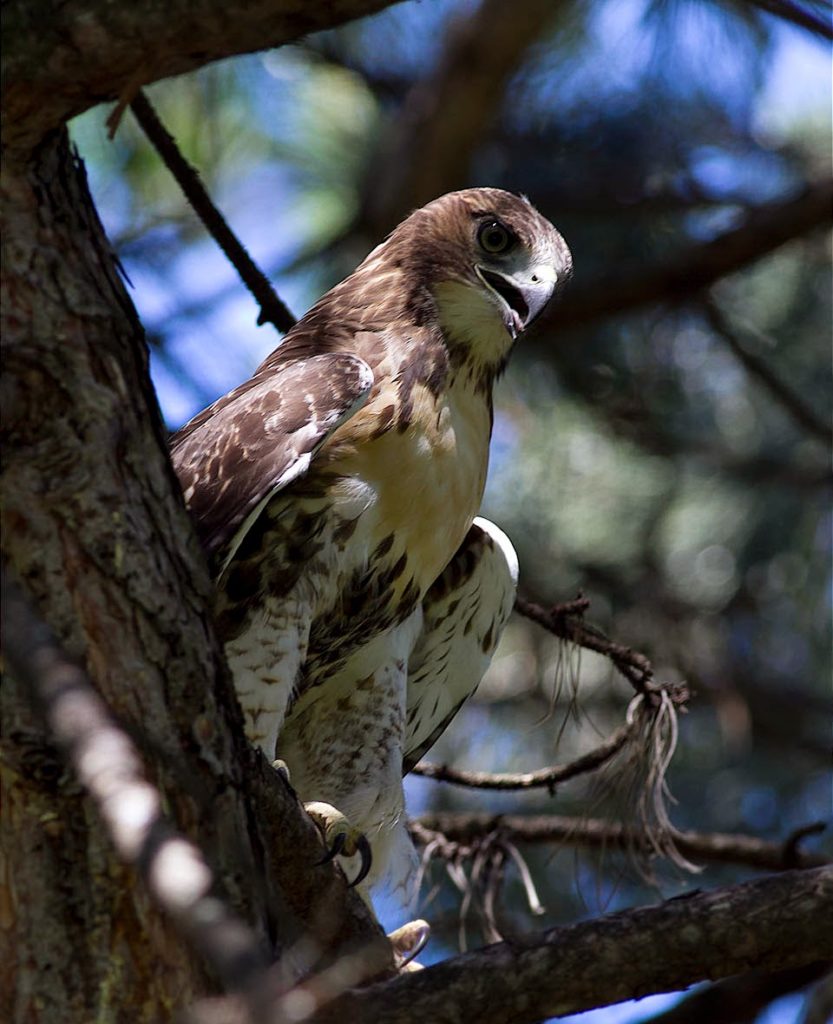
(358, 598)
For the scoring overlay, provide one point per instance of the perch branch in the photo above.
(780, 922)
(773, 923)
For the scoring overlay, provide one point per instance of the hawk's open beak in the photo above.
(522, 296)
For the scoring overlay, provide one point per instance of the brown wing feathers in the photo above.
(262, 436)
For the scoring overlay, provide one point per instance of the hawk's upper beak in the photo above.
(522, 295)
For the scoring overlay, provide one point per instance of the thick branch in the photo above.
(62, 58)
(764, 230)
(713, 847)
(173, 869)
(774, 923)
(544, 778)
(112, 564)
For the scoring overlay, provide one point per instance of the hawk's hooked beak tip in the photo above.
(537, 289)
(523, 298)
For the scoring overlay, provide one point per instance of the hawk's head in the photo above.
(478, 266)
(486, 261)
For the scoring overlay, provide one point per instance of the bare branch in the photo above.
(466, 830)
(544, 778)
(765, 229)
(777, 922)
(649, 736)
(272, 309)
(110, 768)
(793, 404)
(797, 14)
(446, 116)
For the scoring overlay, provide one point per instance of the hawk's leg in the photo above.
(265, 660)
(343, 740)
(340, 837)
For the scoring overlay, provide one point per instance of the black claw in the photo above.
(334, 850)
(367, 859)
(424, 936)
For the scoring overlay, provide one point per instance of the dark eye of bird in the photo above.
(494, 237)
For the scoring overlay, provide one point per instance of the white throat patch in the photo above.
(468, 316)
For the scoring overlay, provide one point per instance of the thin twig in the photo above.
(272, 309)
(448, 830)
(564, 621)
(792, 844)
(110, 768)
(544, 778)
(787, 398)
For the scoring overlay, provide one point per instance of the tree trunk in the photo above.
(93, 527)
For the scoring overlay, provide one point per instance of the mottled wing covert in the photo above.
(231, 458)
(464, 613)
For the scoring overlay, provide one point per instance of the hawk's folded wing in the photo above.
(233, 457)
(464, 613)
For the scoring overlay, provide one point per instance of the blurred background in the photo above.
(661, 443)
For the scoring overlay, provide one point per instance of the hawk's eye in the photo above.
(494, 237)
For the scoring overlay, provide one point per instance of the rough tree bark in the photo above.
(85, 488)
(768, 924)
